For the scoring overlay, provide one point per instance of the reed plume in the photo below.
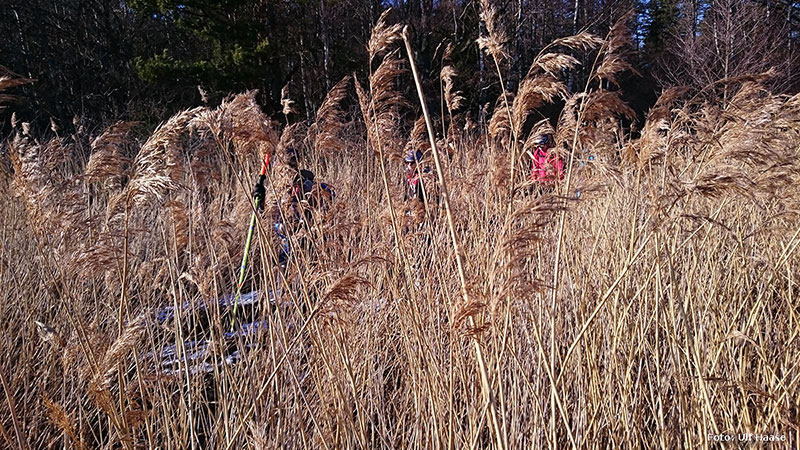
(343, 294)
(495, 40)
(239, 124)
(383, 37)
(287, 103)
(418, 139)
(108, 162)
(653, 141)
(62, 420)
(330, 120)
(532, 94)
(614, 51)
(157, 169)
(500, 127)
(381, 107)
(55, 201)
(453, 98)
(292, 137)
(9, 80)
(104, 375)
(584, 41)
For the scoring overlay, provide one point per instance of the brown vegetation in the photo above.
(656, 308)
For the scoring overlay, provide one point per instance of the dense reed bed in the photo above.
(650, 301)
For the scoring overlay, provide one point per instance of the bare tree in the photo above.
(733, 38)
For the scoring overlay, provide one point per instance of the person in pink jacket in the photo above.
(546, 167)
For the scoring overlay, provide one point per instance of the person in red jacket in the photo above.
(547, 168)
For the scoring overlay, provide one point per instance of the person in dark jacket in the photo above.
(414, 186)
(296, 212)
(419, 192)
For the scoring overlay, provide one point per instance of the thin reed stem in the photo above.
(456, 247)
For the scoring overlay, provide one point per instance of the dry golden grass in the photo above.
(658, 308)
(9, 80)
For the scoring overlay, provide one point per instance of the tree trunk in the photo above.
(575, 17)
(481, 69)
(517, 70)
(323, 20)
(303, 80)
(571, 77)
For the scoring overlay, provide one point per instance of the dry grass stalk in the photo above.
(287, 103)
(363, 102)
(519, 238)
(62, 420)
(8, 82)
(593, 120)
(466, 310)
(453, 99)
(380, 111)
(108, 161)
(495, 40)
(500, 128)
(383, 36)
(493, 45)
(485, 377)
(9, 79)
(330, 120)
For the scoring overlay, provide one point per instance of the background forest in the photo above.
(650, 300)
(145, 59)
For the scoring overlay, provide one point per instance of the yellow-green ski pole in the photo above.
(258, 198)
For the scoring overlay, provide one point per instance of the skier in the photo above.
(547, 168)
(414, 189)
(419, 193)
(296, 211)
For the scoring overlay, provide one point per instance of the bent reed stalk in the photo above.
(487, 384)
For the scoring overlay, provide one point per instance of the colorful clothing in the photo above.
(305, 197)
(546, 166)
(414, 188)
